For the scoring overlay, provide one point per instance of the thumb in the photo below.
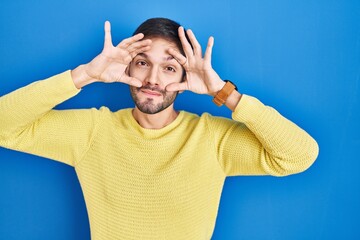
(131, 81)
(175, 87)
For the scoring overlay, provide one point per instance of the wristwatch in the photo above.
(223, 94)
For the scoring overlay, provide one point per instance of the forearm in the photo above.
(233, 100)
(288, 148)
(25, 105)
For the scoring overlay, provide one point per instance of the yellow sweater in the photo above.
(151, 184)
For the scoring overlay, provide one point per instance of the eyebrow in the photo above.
(169, 58)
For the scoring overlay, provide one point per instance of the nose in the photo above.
(152, 77)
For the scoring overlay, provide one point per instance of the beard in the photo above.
(148, 106)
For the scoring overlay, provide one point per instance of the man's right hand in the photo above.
(110, 65)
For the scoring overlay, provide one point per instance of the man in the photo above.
(152, 172)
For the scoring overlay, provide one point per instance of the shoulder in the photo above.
(208, 119)
(104, 113)
(107, 111)
(211, 119)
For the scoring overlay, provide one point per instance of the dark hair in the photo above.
(161, 28)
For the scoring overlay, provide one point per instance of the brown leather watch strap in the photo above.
(223, 94)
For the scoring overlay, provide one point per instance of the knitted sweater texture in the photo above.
(151, 184)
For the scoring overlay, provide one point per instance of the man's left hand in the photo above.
(200, 76)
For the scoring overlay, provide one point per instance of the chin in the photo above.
(151, 108)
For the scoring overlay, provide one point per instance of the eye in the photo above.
(171, 69)
(141, 63)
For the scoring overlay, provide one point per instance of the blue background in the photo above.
(301, 57)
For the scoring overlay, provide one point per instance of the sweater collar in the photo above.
(153, 133)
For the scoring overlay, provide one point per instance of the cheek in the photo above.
(181, 74)
(136, 72)
(173, 77)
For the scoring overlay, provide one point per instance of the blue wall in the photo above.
(301, 57)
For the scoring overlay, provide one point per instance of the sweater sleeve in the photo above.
(261, 142)
(28, 122)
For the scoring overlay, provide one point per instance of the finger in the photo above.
(107, 29)
(175, 87)
(127, 41)
(178, 56)
(131, 81)
(185, 43)
(139, 44)
(139, 50)
(196, 45)
(208, 52)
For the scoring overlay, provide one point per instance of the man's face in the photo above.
(156, 68)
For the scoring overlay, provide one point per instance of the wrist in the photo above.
(221, 96)
(80, 77)
(219, 85)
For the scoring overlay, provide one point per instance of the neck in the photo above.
(155, 121)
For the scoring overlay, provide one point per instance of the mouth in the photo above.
(150, 92)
